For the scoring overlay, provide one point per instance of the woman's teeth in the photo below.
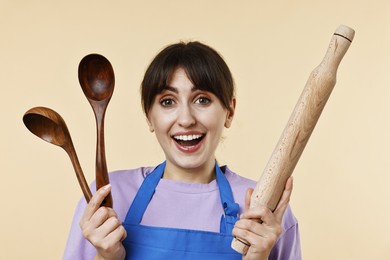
(187, 137)
(189, 143)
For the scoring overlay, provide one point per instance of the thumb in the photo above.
(248, 195)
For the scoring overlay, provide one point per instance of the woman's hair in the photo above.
(203, 65)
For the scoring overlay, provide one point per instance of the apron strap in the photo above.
(144, 195)
(230, 208)
(146, 191)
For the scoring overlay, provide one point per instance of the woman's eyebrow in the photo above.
(169, 88)
(175, 90)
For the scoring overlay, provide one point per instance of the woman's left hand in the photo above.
(261, 227)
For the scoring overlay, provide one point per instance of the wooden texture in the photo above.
(96, 77)
(49, 126)
(302, 121)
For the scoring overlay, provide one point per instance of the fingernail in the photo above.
(106, 187)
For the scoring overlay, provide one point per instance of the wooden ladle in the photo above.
(97, 80)
(49, 126)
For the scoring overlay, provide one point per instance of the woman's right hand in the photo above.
(102, 228)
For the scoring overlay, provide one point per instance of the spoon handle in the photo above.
(79, 172)
(101, 164)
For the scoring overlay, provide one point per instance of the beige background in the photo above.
(341, 195)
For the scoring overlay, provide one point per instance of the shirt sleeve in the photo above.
(77, 247)
(288, 246)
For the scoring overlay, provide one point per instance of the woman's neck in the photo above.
(202, 174)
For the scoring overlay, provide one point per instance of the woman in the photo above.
(187, 207)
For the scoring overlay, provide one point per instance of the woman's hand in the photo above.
(261, 227)
(102, 228)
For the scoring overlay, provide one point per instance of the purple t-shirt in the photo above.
(174, 204)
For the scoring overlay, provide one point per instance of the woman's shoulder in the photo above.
(238, 184)
(129, 175)
(237, 180)
(125, 184)
(126, 177)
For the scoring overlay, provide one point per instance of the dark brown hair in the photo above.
(203, 65)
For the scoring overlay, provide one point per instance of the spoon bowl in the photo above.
(47, 125)
(50, 126)
(96, 77)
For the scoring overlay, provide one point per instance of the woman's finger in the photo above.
(248, 195)
(101, 215)
(284, 200)
(95, 202)
(108, 226)
(119, 234)
(258, 236)
(259, 213)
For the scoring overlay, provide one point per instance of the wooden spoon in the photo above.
(49, 126)
(97, 80)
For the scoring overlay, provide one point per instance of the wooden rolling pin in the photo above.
(302, 121)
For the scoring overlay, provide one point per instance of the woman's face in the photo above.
(188, 123)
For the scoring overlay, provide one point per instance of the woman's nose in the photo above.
(186, 117)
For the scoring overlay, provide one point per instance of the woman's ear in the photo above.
(230, 114)
(151, 128)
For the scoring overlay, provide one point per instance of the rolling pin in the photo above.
(293, 140)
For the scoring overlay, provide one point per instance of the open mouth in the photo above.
(188, 141)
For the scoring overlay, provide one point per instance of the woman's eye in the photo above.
(203, 100)
(166, 102)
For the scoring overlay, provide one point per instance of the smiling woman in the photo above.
(188, 206)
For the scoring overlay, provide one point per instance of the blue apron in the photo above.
(145, 242)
